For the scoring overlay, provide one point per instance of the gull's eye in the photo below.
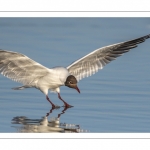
(70, 82)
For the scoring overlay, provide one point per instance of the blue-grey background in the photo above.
(116, 99)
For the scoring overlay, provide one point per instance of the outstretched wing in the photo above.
(92, 62)
(20, 68)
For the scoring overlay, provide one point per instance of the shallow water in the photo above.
(116, 99)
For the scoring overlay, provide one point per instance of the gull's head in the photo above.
(71, 82)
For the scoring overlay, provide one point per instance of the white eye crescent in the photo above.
(70, 82)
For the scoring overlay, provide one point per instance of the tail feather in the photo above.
(21, 87)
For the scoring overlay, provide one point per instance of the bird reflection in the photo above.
(63, 111)
(44, 126)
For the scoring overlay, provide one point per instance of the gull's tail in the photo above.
(21, 87)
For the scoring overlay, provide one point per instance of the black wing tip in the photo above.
(147, 36)
(133, 43)
(142, 39)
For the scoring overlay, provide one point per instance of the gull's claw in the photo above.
(67, 106)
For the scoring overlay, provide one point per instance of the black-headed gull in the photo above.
(21, 68)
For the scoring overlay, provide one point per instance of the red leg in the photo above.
(66, 104)
(53, 106)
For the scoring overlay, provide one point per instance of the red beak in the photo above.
(77, 89)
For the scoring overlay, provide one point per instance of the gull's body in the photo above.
(21, 68)
(52, 80)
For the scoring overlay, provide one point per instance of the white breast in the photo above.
(54, 79)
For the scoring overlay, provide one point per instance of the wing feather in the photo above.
(92, 62)
(20, 68)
